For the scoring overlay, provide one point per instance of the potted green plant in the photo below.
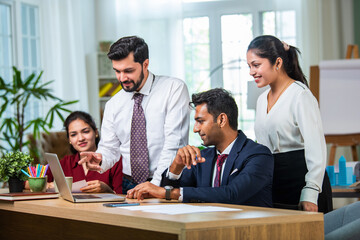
(14, 99)
(11, 165)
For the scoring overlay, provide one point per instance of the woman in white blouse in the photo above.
(288, 122)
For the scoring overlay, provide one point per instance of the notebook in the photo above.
(27, 196)
(65, 191)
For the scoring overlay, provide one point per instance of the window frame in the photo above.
(16, 17)
(214, 10)
(19, 45)
(13, 31)
(17, 38)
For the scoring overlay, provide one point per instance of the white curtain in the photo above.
(327, 28)
(64, 44)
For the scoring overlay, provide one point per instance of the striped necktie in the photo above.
(139, 153)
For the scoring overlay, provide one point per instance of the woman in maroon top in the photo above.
(84, 136)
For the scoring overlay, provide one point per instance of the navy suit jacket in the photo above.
(247, 177)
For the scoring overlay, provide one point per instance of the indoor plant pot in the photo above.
(11, 165)
(15, 184)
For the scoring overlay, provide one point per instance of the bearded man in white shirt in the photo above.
(164, 105)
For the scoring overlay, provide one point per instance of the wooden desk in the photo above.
(345, 192)
(64, 220)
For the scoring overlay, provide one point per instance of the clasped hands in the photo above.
(186, 156)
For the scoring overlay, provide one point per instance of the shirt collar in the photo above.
(145, 90)
(227, 149)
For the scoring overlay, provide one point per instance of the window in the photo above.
(197, 59)
(235, 68)
(6, 45)
(28, 47)
(30, 36)
(20, 48)
(197, 53)
(6, 60)
(281, 24)
(207, 26)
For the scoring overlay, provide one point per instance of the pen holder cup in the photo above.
(37, 184)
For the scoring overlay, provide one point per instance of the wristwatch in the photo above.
(168, 192)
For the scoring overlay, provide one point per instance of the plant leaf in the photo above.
(15, 97)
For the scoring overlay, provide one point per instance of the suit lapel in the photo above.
(208, 167)
(233, 155)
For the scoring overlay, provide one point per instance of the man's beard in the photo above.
(136, 85)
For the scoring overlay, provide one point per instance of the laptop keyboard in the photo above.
(85, 196)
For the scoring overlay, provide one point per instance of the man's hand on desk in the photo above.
(91, 159)
(149, 190)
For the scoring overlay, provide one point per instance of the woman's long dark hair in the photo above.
(86, 118)
(271, 48)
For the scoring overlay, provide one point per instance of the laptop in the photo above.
(65, 191)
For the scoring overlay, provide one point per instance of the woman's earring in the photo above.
(70, 142)
(277, 68)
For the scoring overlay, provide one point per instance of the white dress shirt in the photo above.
(294, 123)
(166, 108)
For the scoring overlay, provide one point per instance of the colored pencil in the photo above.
(41, 171)
(28, 168)
(46, 168)
(25, 173)
(33, 170)
(37, 170)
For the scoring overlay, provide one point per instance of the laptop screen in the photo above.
(65, 191)
(59, 176)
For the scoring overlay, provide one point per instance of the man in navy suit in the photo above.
(236, 170)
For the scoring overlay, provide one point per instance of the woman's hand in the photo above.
(50, 185)
(27, 186)
(308, 206)
(96, 186)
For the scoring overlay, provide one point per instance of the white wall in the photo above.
(106, 25)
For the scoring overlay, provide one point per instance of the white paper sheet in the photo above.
(77, 185)
(173, 209)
